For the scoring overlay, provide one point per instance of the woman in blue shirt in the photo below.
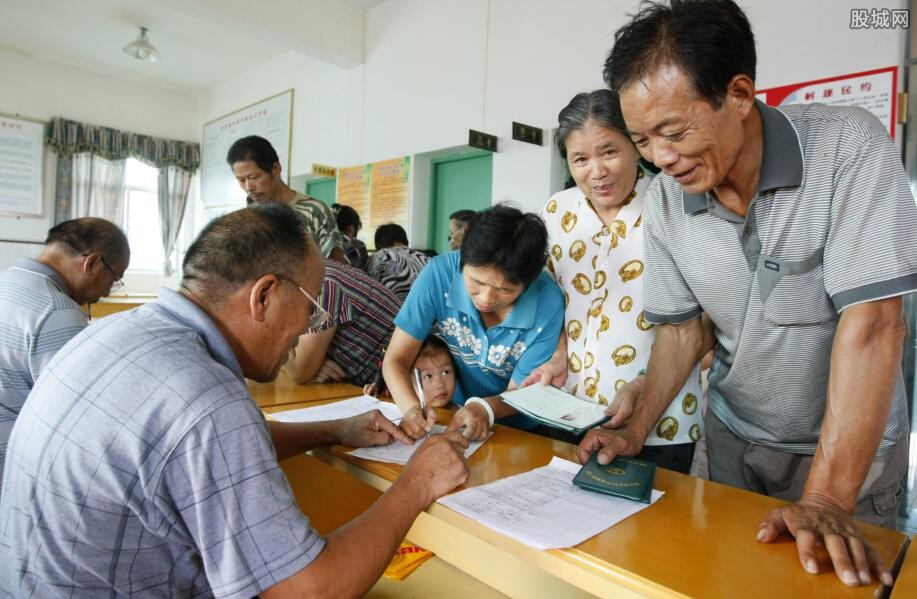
(496, 309)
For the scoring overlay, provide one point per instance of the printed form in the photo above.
(340, 409)
(542, 508)
(398, 453)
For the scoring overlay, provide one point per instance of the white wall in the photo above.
(320, 105)
(433, 70)
(424, 76)
(39, 89)
(436, 69)
(541, 54)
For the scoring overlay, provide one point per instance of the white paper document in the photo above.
(555, 406)
(542, 508)
(398, 453)
(340, 409)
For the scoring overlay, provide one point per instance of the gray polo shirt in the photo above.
(141, 466)
(38, 318)
(833, 225)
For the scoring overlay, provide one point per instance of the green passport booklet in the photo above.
(629, 478)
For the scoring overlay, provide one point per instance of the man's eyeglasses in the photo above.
(319, 315)
(117, 282)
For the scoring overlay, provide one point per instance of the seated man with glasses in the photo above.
(140, 465)
(40, 302)
(356, 314)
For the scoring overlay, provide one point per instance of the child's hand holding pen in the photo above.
(415, 425)
(417, 421)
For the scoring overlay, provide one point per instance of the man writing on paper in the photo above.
(83, 259)
(792, 230)
(141, 465)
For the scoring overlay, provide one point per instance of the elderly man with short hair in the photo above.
(140, 465)
(793, 230)
(83, 259)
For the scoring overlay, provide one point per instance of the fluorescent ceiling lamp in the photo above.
(141, 48)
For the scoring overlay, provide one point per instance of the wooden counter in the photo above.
(113, 304)
(697, 541)
(906, 581)
(284, 391)
(331, 498)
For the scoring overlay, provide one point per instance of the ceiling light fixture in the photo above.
(141, 48)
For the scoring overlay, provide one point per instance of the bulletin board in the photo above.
(388, 192)
(378, 191)
(271, 118)
(21, 154)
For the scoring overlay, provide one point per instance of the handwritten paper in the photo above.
(340, 409)
(398, 453)
(542, 508)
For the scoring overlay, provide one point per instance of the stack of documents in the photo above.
(542, 508)
(557, 408)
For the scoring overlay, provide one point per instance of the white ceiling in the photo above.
(202, 42)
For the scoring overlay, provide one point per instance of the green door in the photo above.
(324, 189)
(457, 183)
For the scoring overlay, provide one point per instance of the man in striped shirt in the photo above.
(394, 264)
(792, 230)
(348, 345)
(83, 259)
(257, 169)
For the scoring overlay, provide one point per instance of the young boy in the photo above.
(437, 374)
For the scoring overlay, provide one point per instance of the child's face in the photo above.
(438, 378)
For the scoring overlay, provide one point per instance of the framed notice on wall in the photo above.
(271, 118)
(21, 151)
(873, 90)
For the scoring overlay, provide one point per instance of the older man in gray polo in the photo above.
(793, 230)
(83, 259)
(140, 465)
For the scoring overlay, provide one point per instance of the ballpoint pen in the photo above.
(418, 387)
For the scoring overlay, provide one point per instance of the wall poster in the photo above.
(873, 90)
(21, 153)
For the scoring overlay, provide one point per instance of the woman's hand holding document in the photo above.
(557, 408)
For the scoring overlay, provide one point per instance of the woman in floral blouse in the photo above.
(596, 256)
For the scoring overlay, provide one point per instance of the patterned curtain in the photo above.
(174, 184)
(67, 138)
(96, 188)
(89, 182)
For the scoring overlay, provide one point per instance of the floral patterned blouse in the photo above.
(600, 269)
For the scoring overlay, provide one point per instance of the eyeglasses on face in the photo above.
(117, 282)
(319, 315)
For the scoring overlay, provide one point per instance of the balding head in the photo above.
(82, 236)
(241, 246)
(90, 254)
(246, 270)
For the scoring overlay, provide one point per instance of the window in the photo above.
(141, 207)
